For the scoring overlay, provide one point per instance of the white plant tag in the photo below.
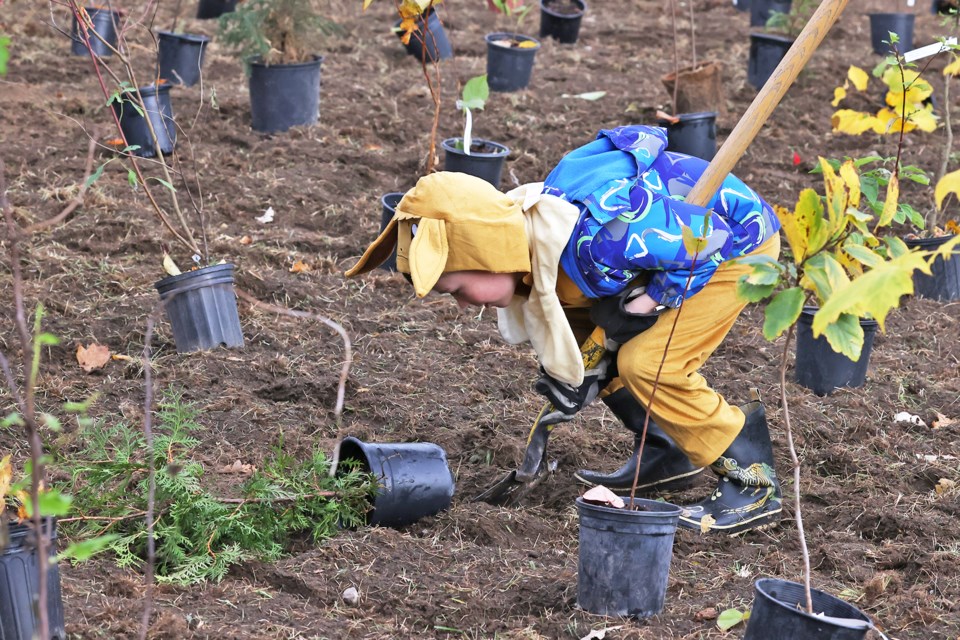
(929, 50)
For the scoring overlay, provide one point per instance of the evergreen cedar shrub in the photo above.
(276, 31)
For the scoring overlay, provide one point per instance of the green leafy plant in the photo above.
(276, 31)
(199, 532)
(4, 54)
(516, 9)
(474, 97)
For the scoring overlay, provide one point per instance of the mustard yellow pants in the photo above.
(699, 420)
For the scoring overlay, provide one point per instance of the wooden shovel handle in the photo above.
(766, 101)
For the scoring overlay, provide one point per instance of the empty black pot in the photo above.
(509, 68)
(943, 283)
(414, 479)
(207, 9)
(133, 121)
(820, 368)
(438, 45)
(202, 308)
(779, 614)
(105, 22)
(625, 557)
(760, 10)
(284, 95)
(19, 588)
(766, 52)
(487, 165)
(694, 135)
(562, 26)
(180, 57)
(881, 24)
(388, 207)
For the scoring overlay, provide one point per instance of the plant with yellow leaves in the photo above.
(840, 263)
(905, 108)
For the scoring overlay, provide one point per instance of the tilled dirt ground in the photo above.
(879, 532)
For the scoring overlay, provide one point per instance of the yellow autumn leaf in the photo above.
(366, 3)
(852, 181)
(413, 8)
(527, 44)
(838, 94)
(953, 69)
(858, 77)
(944, 485)
(6, 477)
(887, 122)
(834, 190)
(923, 119)
(794, 228)
(949, 183)
(890, 203)
(852, 122)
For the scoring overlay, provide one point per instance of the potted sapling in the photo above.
(848, 273)
(474, 156)
(697, 99)
(277, 41)
(560, 19)
(781, 26)
(180, 55)
(200, 303)
(510, 55)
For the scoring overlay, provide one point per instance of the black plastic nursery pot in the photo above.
(438, 45)
(760, 10)
(560, 19)
(881, 24)
(284, 95)
(766, 52)
(202, 308)
(820, 368)
(156, 107)
(414, 478)
(485, 160)
(19, 588)
(694, 135)
(625, 557)
(105, 22)
(943, 283)
(779, 614)
(509, 66)
(207, 9)
(741, 5)
(388, 207)
(180, 57)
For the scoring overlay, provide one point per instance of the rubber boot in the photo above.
(664, 466)
(748, 492)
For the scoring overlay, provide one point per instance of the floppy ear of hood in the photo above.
(451, 222)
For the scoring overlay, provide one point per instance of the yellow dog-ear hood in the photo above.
(451, 222)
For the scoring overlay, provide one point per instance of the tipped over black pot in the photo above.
(413, 477)
(779, 614)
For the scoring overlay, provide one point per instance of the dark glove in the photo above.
(619, 324)
(568, 400)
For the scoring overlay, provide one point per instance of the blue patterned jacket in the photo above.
(630, 193)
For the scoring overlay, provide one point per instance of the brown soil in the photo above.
(880, 533)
